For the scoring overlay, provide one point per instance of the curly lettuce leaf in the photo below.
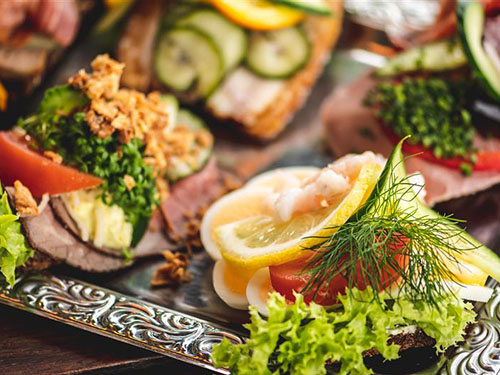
(300, 338)
(14, 251)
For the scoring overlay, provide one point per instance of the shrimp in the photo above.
(319, 191)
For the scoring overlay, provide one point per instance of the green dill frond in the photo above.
(389, 242)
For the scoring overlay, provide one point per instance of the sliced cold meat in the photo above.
(189, 197)
(154, 241)
(48, 236)
(352, 127)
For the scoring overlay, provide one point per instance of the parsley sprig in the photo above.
(432, 110)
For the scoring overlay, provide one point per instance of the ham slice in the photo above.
(351, 127)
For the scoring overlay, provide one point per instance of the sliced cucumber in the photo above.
(432, 57)
(230, 38)
(470, 20)
(198, 154)
(279, 53)
(189, 119)
(172, 107)
(320, 7)
(187, 58)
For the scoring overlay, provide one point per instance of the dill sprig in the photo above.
(391, 240)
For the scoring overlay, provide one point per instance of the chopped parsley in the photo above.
(63, 129)
(431, 110)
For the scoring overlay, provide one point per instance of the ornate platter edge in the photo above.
(189, 339)
(118, 317)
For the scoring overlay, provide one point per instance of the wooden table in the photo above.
(37, 346)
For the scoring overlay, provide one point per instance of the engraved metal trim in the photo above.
(480, 353)
(190, 339)
(119, 317)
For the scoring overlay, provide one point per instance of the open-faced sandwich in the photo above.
(346, 262)
(33, 35)
(445, 94)
(100, 175)
(252, 62)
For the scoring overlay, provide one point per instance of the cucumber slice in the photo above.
(320, 7)
(279, 53)
(188, 118)
(470, 20)
(198, 154)
(229, 38)
(474, 252)
(187, 58)
(432, 57)
(172, 107)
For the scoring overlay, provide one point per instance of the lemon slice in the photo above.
(260, 241)
(245, 202)
(232, 207)
(258, 14)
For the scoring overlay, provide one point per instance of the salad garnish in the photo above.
(391, 240)
(300, 339)
(14, 250)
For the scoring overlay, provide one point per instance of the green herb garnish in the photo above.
(67, 133)
(299, 338)
(393, 238)
(431, 110)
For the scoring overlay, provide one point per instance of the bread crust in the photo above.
(324, 33)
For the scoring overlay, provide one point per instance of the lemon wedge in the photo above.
(260, 241)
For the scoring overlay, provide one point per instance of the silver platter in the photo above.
(184, 323)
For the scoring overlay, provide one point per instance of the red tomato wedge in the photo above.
(289, 277)
(485, 160)
(40, 174)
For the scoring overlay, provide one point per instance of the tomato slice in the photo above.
(40, 174)
(258, 14)
(289, 277)
(485, 160)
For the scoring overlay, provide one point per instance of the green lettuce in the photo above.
(299, 338)
(14, 251)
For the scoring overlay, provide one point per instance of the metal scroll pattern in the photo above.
(480, 353)
(117, 316)
(190, 339)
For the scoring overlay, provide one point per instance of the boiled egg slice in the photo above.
(258, 290)
(230, 284)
